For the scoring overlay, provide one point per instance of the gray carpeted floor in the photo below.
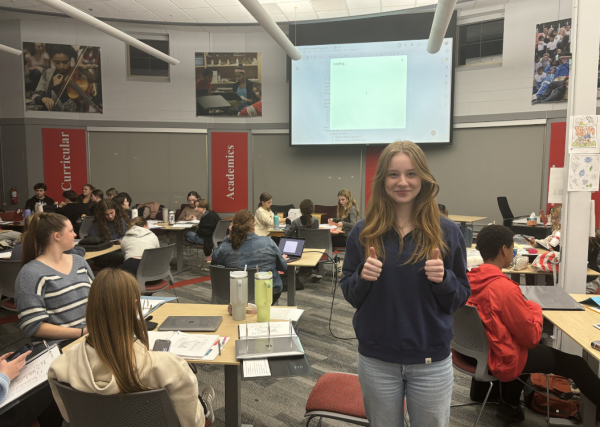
(281, 402)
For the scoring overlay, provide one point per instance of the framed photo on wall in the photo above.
(60, 77)
(228, 84)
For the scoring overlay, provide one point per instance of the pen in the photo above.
(219, 341)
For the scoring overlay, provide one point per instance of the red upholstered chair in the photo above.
(154, 272)
(337, 396)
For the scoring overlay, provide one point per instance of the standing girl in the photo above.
(405, 273)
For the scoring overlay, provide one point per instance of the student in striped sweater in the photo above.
(52, 288)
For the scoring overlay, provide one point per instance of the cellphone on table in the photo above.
(22, 350)
(161, 345)
(596, 344)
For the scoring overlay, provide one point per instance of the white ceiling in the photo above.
(232, 12)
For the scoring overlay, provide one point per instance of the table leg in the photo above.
(233, 395)
(586, 408)
(291, 288)
(179, 247)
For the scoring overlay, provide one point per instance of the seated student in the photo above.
(243, 247)
(72, 209)
(17, 252)
(123, 201)
(305, 221)
(110, 224)
(205, 81)
(39, 406)
(552, 241)
(348, 215)
(111, 192)
(97, 195)
(114, 358)
(206, 227)
(40, 197)
(86, 193)
(188, 213)
(513, 327)
(264, 215)
(256, 108)
(137, 239)
(50, 281)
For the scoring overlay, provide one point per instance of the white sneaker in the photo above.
(315, 277)
(208, 396)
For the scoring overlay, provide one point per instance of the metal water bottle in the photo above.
(171, 217)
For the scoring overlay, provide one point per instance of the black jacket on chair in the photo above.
(206, 228)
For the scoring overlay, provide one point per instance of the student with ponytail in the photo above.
(305, 221)
(405, 273)
(115, 359)
(51, 280)
(243, 247)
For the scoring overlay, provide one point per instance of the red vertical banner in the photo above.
(65, 161)
(558, 136)
(373, 152)
(229, 163)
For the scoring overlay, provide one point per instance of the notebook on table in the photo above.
(191, 323)
(551, 298)
(292, 247)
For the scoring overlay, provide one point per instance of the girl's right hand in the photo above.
(372, 268)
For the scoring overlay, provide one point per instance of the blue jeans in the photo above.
(428, 391)
(192, 237)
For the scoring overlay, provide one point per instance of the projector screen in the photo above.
(371, 93)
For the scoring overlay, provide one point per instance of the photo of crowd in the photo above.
(61, 77)
(553, 61)
(228, 84)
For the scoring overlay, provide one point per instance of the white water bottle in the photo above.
(238, 294)
(134, 213)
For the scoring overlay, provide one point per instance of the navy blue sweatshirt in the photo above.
(402, 317)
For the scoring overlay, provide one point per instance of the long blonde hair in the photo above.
(381, 210)
(114, 320)
(343, 211)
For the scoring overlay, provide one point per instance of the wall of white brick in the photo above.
(506, 89)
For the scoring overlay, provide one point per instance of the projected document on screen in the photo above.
(371, 93)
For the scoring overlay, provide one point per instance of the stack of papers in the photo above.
(184, 224)
(256, 368)
(149, 304)
(284, 313)
(190, 346)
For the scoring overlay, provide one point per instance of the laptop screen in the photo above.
(292, 247)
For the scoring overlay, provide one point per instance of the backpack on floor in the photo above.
(564, 397)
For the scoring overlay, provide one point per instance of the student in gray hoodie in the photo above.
(137, 239)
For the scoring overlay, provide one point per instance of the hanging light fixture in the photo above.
(10, 50)
(441, 19)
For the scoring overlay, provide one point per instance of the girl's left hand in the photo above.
(434, 268)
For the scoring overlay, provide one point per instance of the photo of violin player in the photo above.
(69, 81)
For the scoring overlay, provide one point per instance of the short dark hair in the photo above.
(70, 195)
(40, 185)
(492, 238)
(207, 72)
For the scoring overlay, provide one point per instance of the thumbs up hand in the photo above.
(434, 268)
(372, 267)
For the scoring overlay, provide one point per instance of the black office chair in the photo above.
(507, 215)
(282, 208)
(151, 408)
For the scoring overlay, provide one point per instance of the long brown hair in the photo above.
(114, 321)
(343, 211)
(381, 210)
(555, 215)
(242, 223)
(307, 208)
(41, 227)
(99, 218)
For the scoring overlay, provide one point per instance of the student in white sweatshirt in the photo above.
(137, 239)
(114, 358)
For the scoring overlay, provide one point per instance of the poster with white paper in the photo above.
(583, 172)
(583, 137)
(555, 185)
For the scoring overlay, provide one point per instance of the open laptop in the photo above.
(191, 323)
(292, 247)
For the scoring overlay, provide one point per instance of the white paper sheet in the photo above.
(192, 346)
(32, 375)
(260, 329)
(5, 255)
(256, 368)
(286, 313)
(555, 185)
(583, 136)
(583, 172)
(185, 225)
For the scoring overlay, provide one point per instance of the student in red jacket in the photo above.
(513, 327)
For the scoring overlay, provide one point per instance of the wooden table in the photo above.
(227, 328)
(310, 258)
(90, 255)
(578, 326)
(315, 215)
(178, 241)
(464, 219)
(281, 232)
